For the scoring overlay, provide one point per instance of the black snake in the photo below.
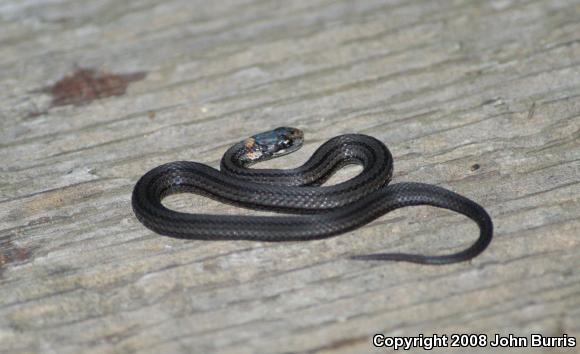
(325, 211)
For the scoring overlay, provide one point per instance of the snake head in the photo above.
(274, 143)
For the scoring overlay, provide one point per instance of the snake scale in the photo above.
(314, 211)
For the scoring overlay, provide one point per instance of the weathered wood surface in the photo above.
(446, 84)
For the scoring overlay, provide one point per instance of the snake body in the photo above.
(318, 211)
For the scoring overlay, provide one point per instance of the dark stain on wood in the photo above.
(86, 85)
(10, 253)
(35, 114)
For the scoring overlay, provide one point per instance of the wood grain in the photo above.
(482, 97)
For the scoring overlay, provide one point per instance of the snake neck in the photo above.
(336, 153)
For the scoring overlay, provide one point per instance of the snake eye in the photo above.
(284, 144)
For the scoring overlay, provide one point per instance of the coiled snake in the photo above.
(322, 211)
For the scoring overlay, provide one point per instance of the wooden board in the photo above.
(482, 97)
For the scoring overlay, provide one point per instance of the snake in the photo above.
(305, 208)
